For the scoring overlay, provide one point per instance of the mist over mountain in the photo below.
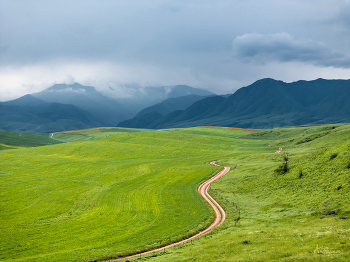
(171, 104)
(150, 115)
(140, 98)
(267, 103)
(88, 108)
(114, 110)
(86, 97)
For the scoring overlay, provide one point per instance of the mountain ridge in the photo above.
(29, 113)
(95, 109)
(267, 103)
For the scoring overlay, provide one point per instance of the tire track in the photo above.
(220, 215)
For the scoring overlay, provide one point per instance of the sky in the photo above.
(217, 45)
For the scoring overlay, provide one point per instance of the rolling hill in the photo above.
(114, 193)
(267, 103)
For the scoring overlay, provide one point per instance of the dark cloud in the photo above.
(343, 17)
(108, 43)
(282, 47)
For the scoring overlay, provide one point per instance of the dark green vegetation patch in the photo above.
(9, 139)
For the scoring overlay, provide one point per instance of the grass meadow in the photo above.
(111, 193)
(302, 215)
(108, 196)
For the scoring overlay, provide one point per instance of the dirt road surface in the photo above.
(220, 215)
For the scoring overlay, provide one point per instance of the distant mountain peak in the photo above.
(267, 80)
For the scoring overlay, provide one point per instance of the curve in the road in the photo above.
(220, 214)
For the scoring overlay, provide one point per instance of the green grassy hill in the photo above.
(9, 139)
(302, 215)
(116, 194)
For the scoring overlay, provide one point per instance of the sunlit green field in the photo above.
(111, 195)
(302, 215)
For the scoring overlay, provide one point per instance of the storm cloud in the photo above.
(215, 45)
(282, 47)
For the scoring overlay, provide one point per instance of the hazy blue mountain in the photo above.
(142, 121)
(193, 112)
(64, 107)
(142, 98)
(267, 103)
(150, 115)
(184, 90)
(112, 111)
(86, 97)
(171, 104)
(30, 114)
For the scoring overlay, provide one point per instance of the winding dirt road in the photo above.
(220, 214)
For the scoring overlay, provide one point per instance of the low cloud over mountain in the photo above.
(163, 43)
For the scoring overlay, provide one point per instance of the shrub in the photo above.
(334, 155)
(348, 165)
(283, 168)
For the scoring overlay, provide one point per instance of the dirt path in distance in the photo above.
(220, 215)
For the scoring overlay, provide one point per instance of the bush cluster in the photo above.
(334, 155)
(283, 167)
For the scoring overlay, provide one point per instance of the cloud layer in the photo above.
(282, 47)
(216, 45)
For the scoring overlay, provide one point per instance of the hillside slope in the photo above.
(30, 114)
(150, 116)
(171, 104)
(301, 215)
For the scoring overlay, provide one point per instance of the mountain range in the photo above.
(267, 103)
(66, 107)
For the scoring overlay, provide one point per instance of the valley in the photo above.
(174, 131)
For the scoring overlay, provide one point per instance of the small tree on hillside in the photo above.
(283, 167)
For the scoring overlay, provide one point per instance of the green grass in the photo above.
(10, 139)
(108, 196)
(282, 217)
(90, 199)
(87, 134)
